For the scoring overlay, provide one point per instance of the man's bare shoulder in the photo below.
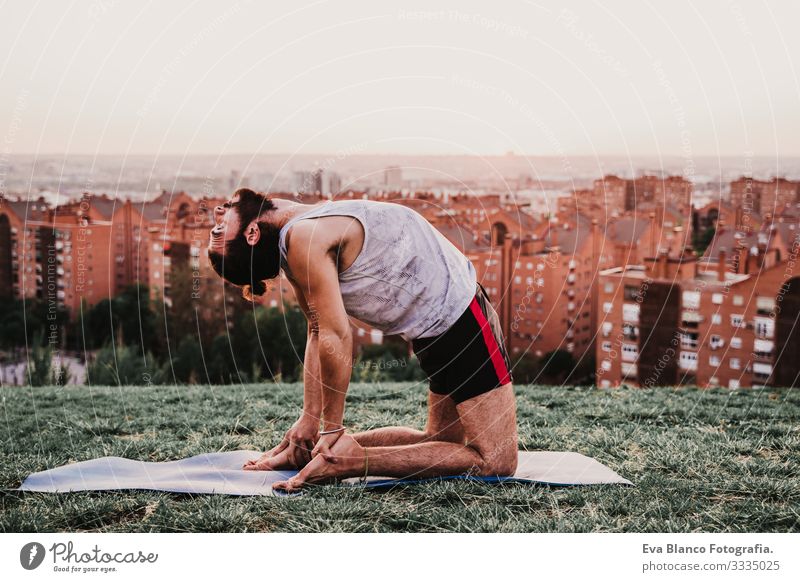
(308, 242)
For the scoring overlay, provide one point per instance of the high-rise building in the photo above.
(724, 320)
(763, 197)
(393, 178)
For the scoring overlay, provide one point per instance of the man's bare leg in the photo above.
(490, 428)
(443, 425)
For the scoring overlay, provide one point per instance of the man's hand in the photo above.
(294, 451)
(324, 446)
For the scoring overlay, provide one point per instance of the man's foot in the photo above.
(350, 461)
(268, 462)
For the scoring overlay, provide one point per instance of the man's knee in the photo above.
(499, 461)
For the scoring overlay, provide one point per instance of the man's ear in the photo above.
(252, 233)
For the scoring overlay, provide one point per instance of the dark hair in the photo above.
(250, 265)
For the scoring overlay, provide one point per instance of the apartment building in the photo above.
(763, 196)
(724, 320)
(542, 286)
(621, 194)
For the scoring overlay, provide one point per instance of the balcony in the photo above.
(688, 361)
(630, 312)
(630, 353)
(689, 341)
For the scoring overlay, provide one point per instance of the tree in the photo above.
(527, 369)
(277, 340)
(556, 365)
(187, 364)
(136, 317)
(703, 239)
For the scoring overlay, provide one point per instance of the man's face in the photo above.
(226, 218)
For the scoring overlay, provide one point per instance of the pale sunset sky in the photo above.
(537, 78)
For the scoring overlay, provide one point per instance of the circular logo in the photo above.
(31, 555)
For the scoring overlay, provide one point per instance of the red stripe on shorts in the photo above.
(491, 342)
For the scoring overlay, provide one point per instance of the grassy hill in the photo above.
(702, 460)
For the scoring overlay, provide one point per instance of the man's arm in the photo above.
(294, 450)
(312, 387)
(315, 273)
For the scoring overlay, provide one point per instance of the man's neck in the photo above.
(287, 209)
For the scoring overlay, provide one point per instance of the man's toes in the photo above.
(259, 466)
(289, 486)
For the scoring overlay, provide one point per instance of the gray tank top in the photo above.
(408, 278)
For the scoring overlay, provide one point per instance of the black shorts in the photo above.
(470, 357)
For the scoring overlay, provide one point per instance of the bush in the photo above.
(123, 365)
(40, 363)
(187, 364)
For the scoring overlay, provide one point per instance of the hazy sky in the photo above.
(545, 78)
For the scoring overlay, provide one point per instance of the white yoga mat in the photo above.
(222, 473)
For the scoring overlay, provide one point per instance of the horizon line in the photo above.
(432, 155)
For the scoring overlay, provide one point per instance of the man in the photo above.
(386, 265)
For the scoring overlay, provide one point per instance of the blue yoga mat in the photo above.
(222, 473)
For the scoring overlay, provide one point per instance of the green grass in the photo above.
(702, 460)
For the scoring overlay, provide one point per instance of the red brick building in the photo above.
(724, 320)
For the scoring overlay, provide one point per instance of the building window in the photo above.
(689, 340)
(629, 369)
(716, 298)
(631, 293)
(691, 319)
(737, 320)
(691, 299)
(606, 365)
(765, 305)
(606, 346)
(630, 312)
(736, 342)
(716, 319)
(629, 352)
(733, 383)
(738, 300)
(630, 331)
(763, 348)
(764, 327)
(713, 361)
(761, 372)
(607, 307)
(716, 342)
(736, 364)
(688, 361)
(608, 287)
(607, 328)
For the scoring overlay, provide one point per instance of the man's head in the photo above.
(243, 246)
